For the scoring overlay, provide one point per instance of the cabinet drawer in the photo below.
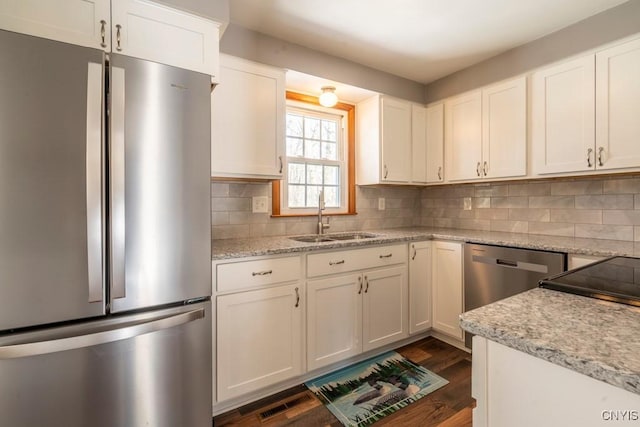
(355, 259)
(249, 274)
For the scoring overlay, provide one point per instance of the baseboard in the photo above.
(449, 340)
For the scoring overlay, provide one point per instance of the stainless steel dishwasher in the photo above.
(492, 273)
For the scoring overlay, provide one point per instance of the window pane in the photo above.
(294, 125)
(312, 149)
(296, 196)
(296, 173)
(312, 128)
(329, 151)
(332, 175)
(329, 130)
(314, 174)
(313, 191)
(331, 197)
(294, 147)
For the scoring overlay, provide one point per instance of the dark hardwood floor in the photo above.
(449, 406)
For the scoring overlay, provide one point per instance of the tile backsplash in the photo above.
(231, 215)
(591, 207)
(598, 208)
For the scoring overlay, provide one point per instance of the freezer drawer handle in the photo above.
(262, 273)
(104, 337)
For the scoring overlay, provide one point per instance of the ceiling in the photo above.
(421, 40)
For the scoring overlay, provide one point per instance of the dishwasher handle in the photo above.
(518, 265)
(507, 262)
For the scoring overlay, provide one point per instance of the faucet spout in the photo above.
(321, 225)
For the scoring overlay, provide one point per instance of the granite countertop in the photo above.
(237, 248)
(593, 337)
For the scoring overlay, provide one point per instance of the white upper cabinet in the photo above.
(463, 136)
(435, 143)
(504, 129)
(248, 120)
(383, 141)
(147, 30)
(618, 106)
(563, 124)
(487, 132)
(81, 22)
(137, 28)
(419, 157)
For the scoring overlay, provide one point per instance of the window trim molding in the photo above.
(351, 159)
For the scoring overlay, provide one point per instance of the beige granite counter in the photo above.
(593, 337)
(237, 248)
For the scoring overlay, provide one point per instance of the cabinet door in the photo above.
(447, 288)
(435, 143)
(147, 30)
(396, 140)
(334, 319)
(247, 120)
(384, 307)
(419, 287)
(618, 106)
(259, 339)
(504, 129)
(463, 136)
(78, 22)
(563, 123)
(418, 144)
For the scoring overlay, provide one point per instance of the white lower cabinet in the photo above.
(359, 310)
(447, 288)
(419, 287)
(259, 333)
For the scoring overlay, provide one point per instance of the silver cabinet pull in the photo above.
(336, 262)
(118, 45)
(360, 283)
(478, 169)
(386, 256)
(415, 252)
(366, 282)
(440, 173)
(386, 171)
(93, 163)
(297, 298)
(589, 151)
(262, 273)
(281, 164)
(484, 168)
(103, 25)
(600, 150)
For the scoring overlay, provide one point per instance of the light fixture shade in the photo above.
(328, 97)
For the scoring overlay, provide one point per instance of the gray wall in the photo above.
(218, 10)
(608, 26)
(248, 44)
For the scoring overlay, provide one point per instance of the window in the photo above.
(319, 157)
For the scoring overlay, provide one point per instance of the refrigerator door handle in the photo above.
(116, 334)
(93, 165)
(117, 152)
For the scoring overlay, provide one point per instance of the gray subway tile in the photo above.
(531, 214)
(510, 202)
(232, 204)
(576, 187)
(491, 190)
(558, 202)
(530, 189)
(510, 226)
(219, 189)
(481, 202)
(637, 201)
(552, 228)
(491, 213)
(622, 186)
(621, 217)
(636, 233)
(230, 231)
(605, 201)
(577, 216)
(219, 218)
(612, 232)
(249, 190)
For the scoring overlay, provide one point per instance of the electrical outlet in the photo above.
(467, 203)
(381, 203)
(259, 204)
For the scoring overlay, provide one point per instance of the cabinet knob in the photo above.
(589, 151)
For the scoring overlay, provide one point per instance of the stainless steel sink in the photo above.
(333, 237)
(352, 236)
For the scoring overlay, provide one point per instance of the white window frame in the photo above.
(320, 112)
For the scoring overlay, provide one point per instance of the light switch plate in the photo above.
(259, 204)
(381, 203)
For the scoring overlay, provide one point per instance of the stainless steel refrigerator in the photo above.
(105, 267)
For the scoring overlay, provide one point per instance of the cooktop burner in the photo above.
(613, 279)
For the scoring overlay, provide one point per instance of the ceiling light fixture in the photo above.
(328, 97)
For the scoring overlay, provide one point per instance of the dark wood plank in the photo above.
(449, 406)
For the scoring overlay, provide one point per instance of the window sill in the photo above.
(313, 215)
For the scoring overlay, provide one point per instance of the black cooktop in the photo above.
(613, 279)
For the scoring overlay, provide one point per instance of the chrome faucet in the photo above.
(321, 225)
